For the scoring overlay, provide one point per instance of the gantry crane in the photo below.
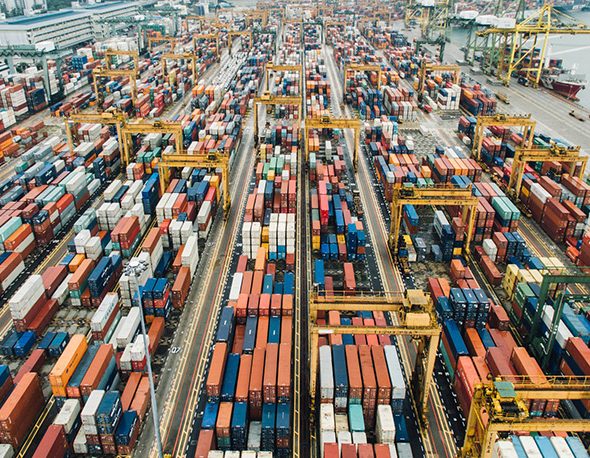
(270, 67)
(238, 33)
(415, 318)
(252, 15)
(209, 161)
(327, 122)
(431, 15)
(143, 127)
(427, 68)
(483, 122)
(514, 49)
(555, 153)
(189, 18)
(110, 118)
(541, 343)
(100, 72)
(268, 99)
(110, 53)
(500, 407)
(180, 56)
(442, 195)
(162, 39)
(207, 36)
(354, 68)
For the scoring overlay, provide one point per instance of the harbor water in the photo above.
(573, 49)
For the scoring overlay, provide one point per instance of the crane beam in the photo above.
(416, 319)
(328, 122)
(425, 68)
(209, 161)
(501, 120)
(571, 155)
(433, 196)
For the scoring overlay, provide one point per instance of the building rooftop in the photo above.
(106, 6)
(40, 18)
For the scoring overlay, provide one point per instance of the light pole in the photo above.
(155, 416)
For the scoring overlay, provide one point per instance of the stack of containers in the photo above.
(248, 385)
(476, 100)
(362, 392)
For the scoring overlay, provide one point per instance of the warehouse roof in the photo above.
(41, 18)
(107, 6)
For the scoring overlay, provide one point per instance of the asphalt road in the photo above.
(438, 439)
(183, 373)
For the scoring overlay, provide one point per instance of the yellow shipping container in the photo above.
(265, 234)
(67, 363)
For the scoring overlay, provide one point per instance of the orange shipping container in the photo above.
(216, 369)
(269, 385)
(21, 409)
(243, 383)
(67, 363)
(97, 368)
(284, 372)
(222, 426)
(130, 389)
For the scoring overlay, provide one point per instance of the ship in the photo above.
(564, 82)
(569, 6)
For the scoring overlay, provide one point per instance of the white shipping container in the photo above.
(25, 297)
(561, 447)
(254, 435)
(88, 413)
(103, 312)
(327, 419)
(385, 426)
(504, 449)
(236, 286)
(6, 451)
(326, 374)
(125, 361)
(80, 445)
(138, 348)
(68, 414)
(129, 328)
(530, 447)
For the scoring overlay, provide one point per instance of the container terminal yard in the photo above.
(293, 229)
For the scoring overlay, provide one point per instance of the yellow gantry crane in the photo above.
(110, 118)
(442, 195)
(500, 406)
(162, 39)
(427, 68)
(267, 99)
(328, 122)
(209, 161)
(143, 128)
(270, 67)
(192, 18)
(515, 49)
(557, 153)
(501, 120)
(415, 318)
(180, 56)
(207, 36)
(101, 72)
(238, 33)
(253, 15)
(354, 68)
(110, 53)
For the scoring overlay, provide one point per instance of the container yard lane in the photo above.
(439, 439)
(183, 373)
